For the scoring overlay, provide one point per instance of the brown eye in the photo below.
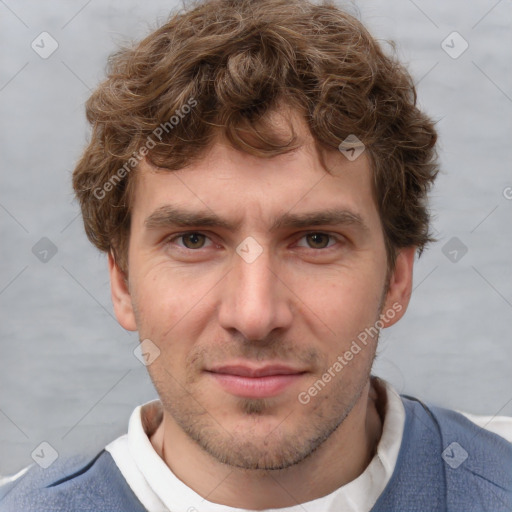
(193, 240)
(318, 240)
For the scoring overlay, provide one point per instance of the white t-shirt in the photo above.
(159, 490)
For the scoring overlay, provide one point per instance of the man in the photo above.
(258, 174)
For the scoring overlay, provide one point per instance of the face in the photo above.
(254, 277)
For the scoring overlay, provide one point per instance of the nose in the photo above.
(255, 300)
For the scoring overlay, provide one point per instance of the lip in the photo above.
(255, 382)
(254, 371)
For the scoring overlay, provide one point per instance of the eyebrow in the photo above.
(170, 216)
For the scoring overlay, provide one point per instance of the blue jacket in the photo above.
(445, 463)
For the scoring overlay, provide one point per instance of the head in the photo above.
(236, 229)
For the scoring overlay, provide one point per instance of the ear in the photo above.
(121, 298)
(400, 287)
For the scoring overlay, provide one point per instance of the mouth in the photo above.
(255, 382)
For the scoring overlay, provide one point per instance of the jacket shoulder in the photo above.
(477, 462)
(447, 462)
(76, 484)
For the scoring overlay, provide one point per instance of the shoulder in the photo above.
(484, 431)
(494, 429)
(500, 425)
(476, 462)
(76, 483)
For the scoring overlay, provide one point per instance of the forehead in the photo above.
(234, 184)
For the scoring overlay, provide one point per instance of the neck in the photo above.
(354, 443)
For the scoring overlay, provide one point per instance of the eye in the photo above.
(192, 240)
(318, 240)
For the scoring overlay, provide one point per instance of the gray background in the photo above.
(68, 375)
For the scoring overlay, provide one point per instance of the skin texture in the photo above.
(301, 302)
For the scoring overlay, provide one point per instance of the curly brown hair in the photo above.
(235, 62)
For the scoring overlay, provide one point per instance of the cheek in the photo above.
(171, 302)
(344, 303)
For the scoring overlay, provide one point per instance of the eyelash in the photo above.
(181, 235)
